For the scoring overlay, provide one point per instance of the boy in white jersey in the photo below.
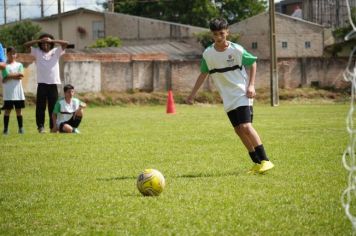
(224, 61)
(47, 68)
(68, 112)
(13, 94)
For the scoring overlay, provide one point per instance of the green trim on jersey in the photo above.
(5, 73)
(248, 59)
(57, 107)
(203, 66)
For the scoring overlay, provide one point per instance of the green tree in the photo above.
(237, 10)
(18, 34)
(107, 42)
(193, 12)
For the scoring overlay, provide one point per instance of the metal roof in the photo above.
(174, 50)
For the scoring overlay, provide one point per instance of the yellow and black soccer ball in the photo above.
(151, 182)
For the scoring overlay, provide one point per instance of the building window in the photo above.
(98, 30)
(307, 44)
(284, 44)
(254, 45)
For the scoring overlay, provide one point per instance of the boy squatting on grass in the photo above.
(224, 61)
(13, 94)
(68, 112)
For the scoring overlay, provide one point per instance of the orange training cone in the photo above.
(171, 109)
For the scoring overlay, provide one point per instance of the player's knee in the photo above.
(67, 128)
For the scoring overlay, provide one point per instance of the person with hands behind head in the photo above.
(225, 62)
(13, 93)
(48, 76)
(68, 112)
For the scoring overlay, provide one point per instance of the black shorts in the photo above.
(9, 104)
(72, 122)
(241, 115)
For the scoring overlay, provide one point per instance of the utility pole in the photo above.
(273, 55)
(5, 11)
(60, 30)
(20, 12)
(111, 5)
(42, 9)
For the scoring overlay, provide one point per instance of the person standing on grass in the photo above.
(47, 65)
(13, 94)
(224, 61)
(68, 112)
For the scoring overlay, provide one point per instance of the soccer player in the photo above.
(225, 62)
(47, 65)
(13, 94)
(68, 112)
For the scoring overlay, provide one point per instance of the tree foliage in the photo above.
(18, 34)
(107, 42)
(193, 12)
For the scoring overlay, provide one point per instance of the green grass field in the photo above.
(86, 184)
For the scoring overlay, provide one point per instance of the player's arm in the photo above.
(14, 75)
(204, 72)
(198, 83)
(2, 65)
(63, 43)
(250, 61)
(29, 44)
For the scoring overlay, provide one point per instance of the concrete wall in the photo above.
(124, 72)
(293, 31)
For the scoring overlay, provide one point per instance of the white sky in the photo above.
(32, 9)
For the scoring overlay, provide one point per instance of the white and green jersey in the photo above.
(64, 110)
(228, 73)
(12, 88)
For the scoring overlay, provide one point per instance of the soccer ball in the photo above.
(150, 182)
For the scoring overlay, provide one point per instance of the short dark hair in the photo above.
(218, 24)
(67, 87)
(11, 50)
(46, 35)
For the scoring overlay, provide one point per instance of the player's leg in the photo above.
(8, 105)
(19, 105)
(252, 135)
(41, 100)
(237, 117)
(52, 96)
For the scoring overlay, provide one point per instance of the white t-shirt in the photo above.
(64, 110)
(47, 65)
(228, 73)
(12, 88)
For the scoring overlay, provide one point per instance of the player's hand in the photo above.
(189, 100)
(251, 92)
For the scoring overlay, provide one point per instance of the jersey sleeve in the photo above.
(5, 73)
(20, 68)
(248, 59)
(57, 108)
(203, 66)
